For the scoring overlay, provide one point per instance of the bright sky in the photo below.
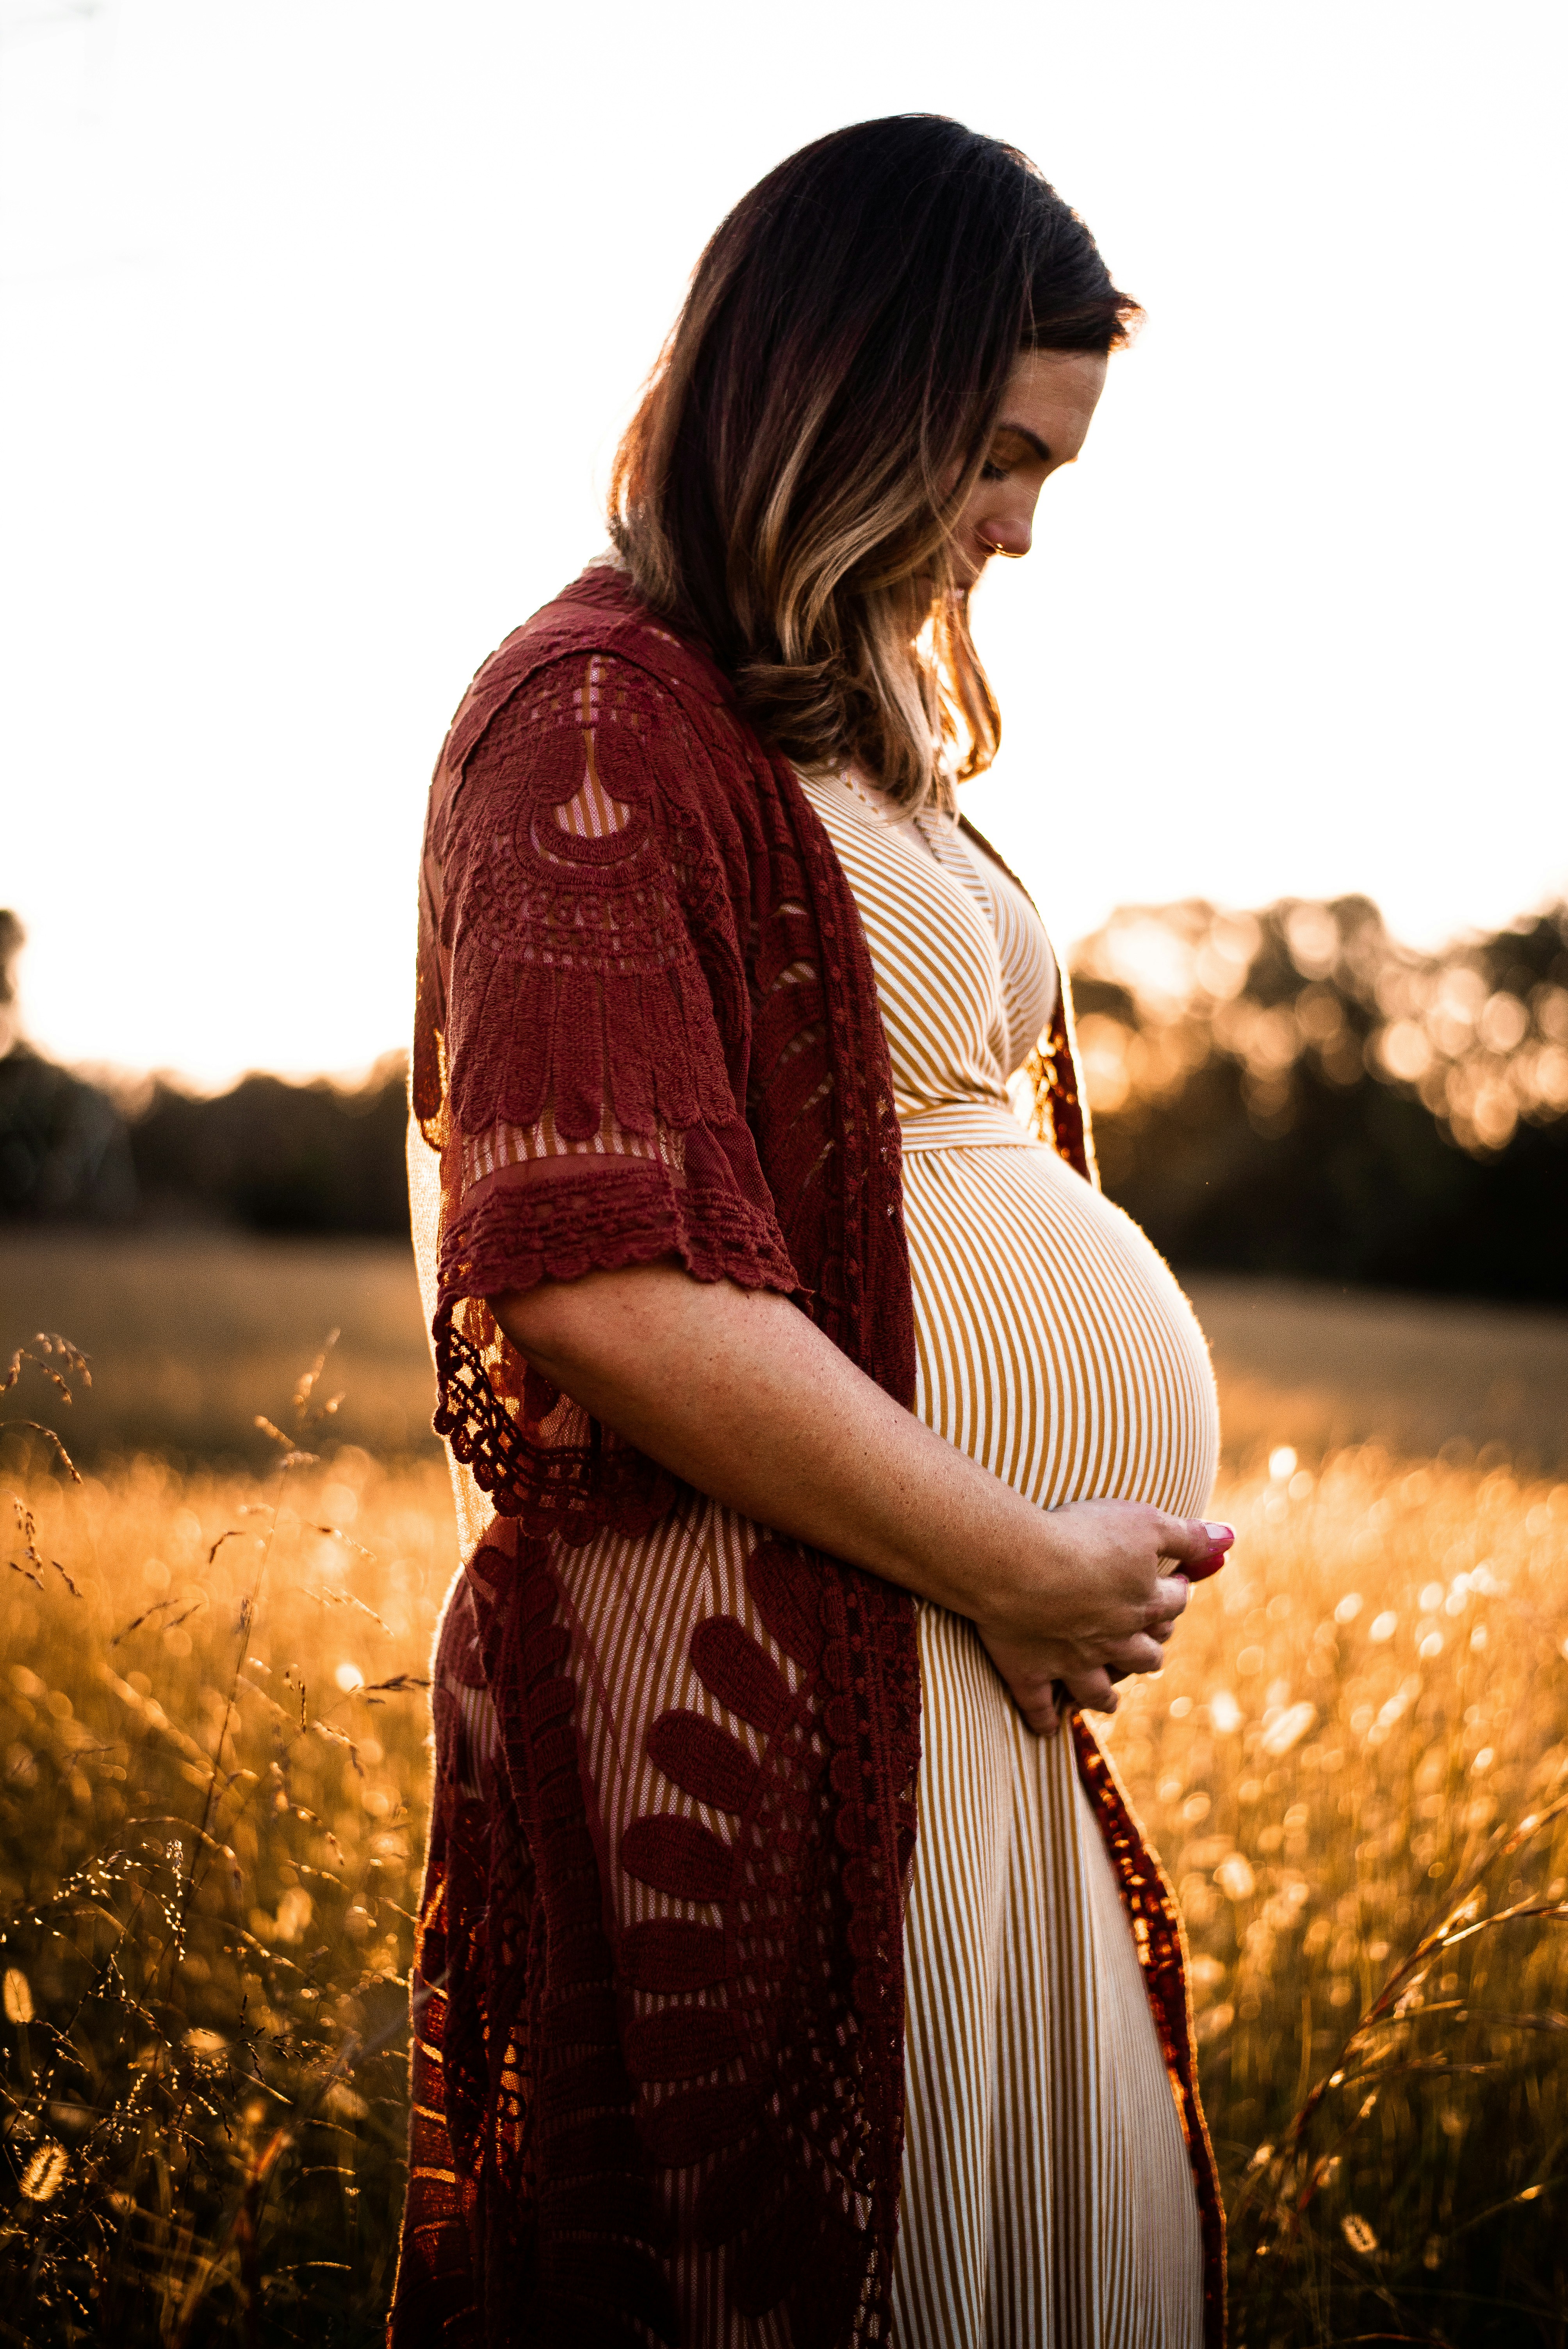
(320, 318)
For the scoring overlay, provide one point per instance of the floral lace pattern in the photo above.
(640, 960)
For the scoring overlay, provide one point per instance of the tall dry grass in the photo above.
(1354, 1767)
(212, 1810)
(214, 1741)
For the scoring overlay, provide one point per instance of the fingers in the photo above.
(1172, 1594)
(1092, 1692)
(1038, 1705)
(1221, 1537)
(1200, 1546)
(1144, 1652)
(1171, 1597)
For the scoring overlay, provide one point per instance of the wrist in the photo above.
(1033, 1576)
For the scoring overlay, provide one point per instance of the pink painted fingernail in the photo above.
(1220, 1539)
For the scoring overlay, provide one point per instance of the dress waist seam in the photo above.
(963, 1125)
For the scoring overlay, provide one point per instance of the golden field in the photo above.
(212, 1807)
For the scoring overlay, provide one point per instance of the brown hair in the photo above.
(818, 416)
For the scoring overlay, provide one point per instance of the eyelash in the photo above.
(990, 472)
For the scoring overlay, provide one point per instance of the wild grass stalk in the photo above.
(1354, 1766)
(209, 1845)
(211, 1814)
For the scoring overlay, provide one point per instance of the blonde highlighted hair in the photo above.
(788, 488)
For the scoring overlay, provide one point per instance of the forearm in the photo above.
(744, 1398)
(741, 1395)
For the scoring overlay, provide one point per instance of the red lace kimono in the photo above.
(647, 1026)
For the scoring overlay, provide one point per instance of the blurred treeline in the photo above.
(1292, 1092)
(1295, 1091)
(266, 1156)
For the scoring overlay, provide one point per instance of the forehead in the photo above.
(1053, 394)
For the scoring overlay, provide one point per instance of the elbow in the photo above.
(572, 1328)
(537, 1322)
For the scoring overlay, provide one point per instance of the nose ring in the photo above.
(1008, 554)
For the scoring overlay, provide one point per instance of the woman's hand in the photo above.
(1104, 1607)
(743, 1397)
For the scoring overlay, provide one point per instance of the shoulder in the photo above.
(591, 744)
(589, 758)
(597, 742)
(595, 656)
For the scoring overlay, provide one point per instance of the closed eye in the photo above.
(1013, 445)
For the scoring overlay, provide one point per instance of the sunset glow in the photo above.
(328, 326)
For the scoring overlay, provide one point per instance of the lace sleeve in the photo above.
(584, 1048)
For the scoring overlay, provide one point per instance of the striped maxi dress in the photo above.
(1048, 2197)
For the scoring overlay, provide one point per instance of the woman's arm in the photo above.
(738, 1393)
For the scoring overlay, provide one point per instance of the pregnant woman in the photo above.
(791, 1970)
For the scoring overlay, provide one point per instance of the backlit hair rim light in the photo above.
(820, 415)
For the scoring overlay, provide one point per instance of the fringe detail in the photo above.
(682, 957)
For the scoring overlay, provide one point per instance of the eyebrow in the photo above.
(1034, 440)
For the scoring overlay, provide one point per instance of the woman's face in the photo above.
(1047, 411)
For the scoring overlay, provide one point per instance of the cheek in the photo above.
(969, 526)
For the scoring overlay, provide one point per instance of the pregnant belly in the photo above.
(1055, 1345)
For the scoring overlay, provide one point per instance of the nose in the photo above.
(1007, 531)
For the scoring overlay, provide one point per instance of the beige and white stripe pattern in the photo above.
(1048, 2198)
(1048, 2202)
(639, 1603)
